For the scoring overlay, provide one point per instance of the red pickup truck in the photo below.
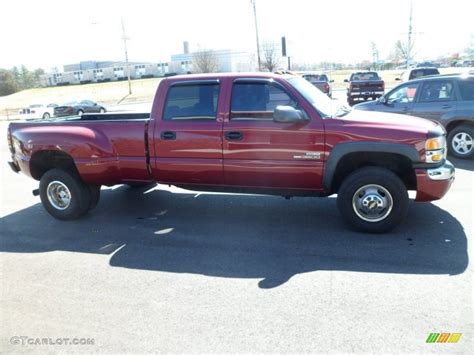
(255, 133)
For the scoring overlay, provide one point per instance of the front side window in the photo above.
(187, 102)
(257, 100)
(404, 94)
(434, 91)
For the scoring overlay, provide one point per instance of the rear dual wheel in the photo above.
(65, 196)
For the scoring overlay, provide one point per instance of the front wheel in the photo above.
(64, 196)
(461, 141)
(373, 200)
(46, 116)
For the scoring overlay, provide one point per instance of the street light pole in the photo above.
(409, 45)
(256, 32)
(125, 39)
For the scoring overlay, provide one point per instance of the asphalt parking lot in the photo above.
(169, 270)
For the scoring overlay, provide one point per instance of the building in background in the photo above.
(103, 71)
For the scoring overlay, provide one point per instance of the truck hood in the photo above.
(393, 121)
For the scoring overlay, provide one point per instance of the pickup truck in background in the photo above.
(321, 81)
(364, 86)
(416, 73)
(254, 133)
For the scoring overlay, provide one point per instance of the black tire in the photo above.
(350, 102)
(454, 147)
(80, 112)
(79, 194)
(46, 116)
(385, 187)
(95, 196)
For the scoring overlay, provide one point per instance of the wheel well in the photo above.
(454, 124)
(398, 164)
(46, 160)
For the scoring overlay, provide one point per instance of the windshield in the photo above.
(70, 103)
(321, 102)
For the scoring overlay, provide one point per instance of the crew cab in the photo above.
(254, 133)
(364, 86)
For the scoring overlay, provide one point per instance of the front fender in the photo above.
(342, 149)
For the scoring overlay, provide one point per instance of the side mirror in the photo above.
(95, 103)
(346, 81)
(397, 79)
(288, 114)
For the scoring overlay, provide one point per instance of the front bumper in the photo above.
(433, 184)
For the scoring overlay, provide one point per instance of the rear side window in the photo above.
(466, 88)
(197, 101)
(257, 100)
(434, 91)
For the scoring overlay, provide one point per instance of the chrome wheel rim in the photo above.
(59, 195)
(462, 143)
(372, 203)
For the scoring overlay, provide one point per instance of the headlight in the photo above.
(435, 149)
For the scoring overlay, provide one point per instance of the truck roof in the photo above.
(265, 75)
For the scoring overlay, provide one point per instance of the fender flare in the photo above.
(342, 149)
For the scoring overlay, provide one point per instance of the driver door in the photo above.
(402, 99)
(262, 153)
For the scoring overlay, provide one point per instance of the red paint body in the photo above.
(113, 152)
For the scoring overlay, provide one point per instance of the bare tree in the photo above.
(205, 61)
(271, 56)
(402, 52)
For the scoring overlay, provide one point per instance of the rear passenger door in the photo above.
(437, 100)
(465, 107)
(188, 135)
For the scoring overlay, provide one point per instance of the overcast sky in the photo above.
(47, 33)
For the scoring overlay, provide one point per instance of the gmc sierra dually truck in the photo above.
(255, 133)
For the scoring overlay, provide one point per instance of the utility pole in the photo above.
(256, 32)
(125, 39)
(410, 28)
